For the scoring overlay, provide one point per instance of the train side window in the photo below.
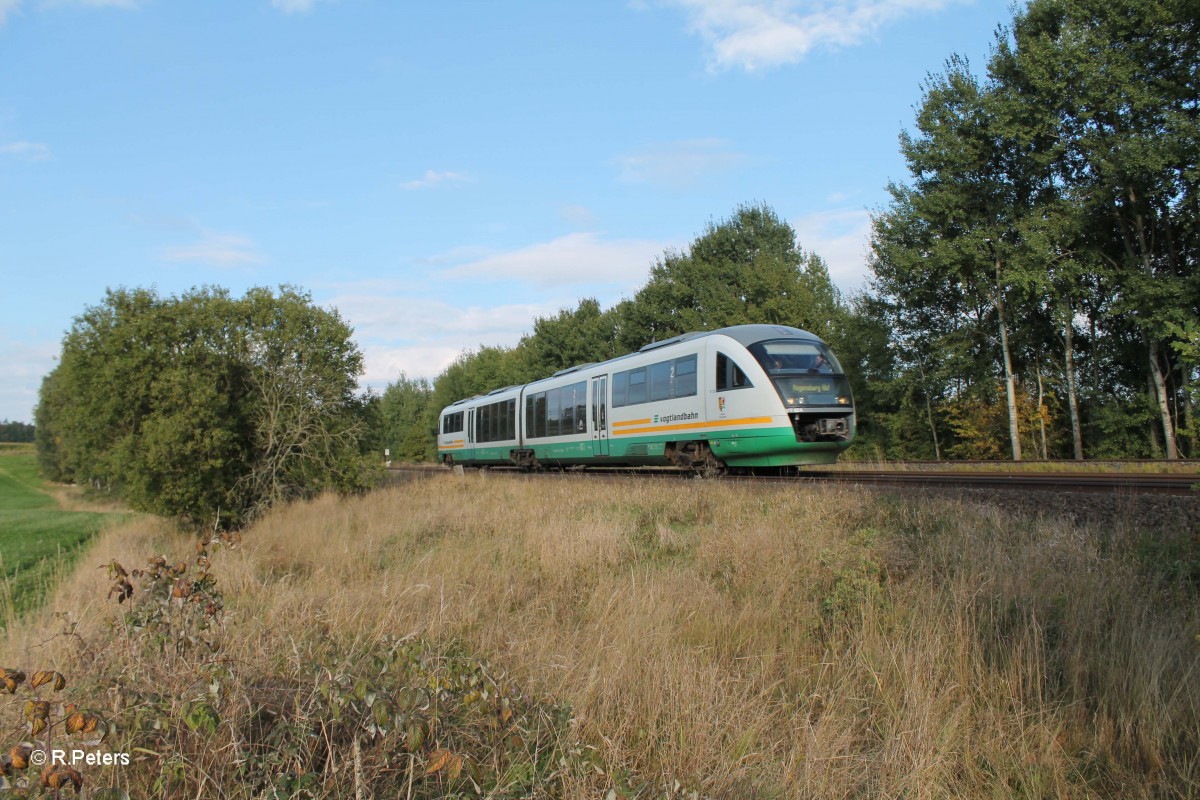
(685, 376)
(581, 407)
(567, 416)
(538, 428)
(637, 387)
(730, 375)
(553, 411)
(660, 381)
(620, 385)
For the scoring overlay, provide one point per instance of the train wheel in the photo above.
(709, 466)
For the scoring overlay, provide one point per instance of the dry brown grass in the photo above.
(742, 642)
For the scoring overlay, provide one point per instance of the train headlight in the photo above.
(843, 401)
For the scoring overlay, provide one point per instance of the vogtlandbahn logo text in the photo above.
(675, 417)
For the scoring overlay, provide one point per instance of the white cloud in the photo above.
(402, 318)
(841, 238)
(32, 151)
(678, 165)
(405, 327)
(7, 7)
(215, 249)
(579, 216)
(420, 335)
(760, 34)
(294, 6)
(433, 178)
(23, 364)
(10, 6)
(383, 365)
(577, 259)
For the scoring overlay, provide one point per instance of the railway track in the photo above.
(1091, 482)
(1118, 483)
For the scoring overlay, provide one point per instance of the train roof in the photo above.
(744, 335)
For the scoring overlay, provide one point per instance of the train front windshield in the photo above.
(805, 374)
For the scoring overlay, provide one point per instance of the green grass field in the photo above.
(39, 541)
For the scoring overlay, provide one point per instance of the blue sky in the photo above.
(441, 173)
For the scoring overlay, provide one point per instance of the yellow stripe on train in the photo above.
(716, 423)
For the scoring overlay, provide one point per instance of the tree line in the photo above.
(205, 407)
(1034, 288)
(746, 269)
(15, 431)
(1034, 292)
(1042, 258)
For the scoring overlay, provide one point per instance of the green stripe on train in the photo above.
(747, 447)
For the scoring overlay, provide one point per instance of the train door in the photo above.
(600, 416)
(469, 436)
(725, 380)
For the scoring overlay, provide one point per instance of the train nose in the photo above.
(817, 429)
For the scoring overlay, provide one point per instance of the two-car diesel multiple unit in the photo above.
(743, 396)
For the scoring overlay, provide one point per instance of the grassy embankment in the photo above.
(648, 640)
(864, 457)
(42, 530)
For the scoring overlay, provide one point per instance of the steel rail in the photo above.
(1186, 484)
(1106, 482)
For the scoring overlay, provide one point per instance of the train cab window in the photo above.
(730, 375)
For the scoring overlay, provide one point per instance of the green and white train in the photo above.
(739, 397)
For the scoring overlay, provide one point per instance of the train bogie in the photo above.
(745, 396)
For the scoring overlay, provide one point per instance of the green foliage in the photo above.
(585, 334)
(204, 407)
(748, 269)
(1051, 219)
(401, 421)
(15, 431)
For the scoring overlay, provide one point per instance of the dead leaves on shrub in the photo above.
(48, 676)
(60, 776)
(11, 678)
(440, 760)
